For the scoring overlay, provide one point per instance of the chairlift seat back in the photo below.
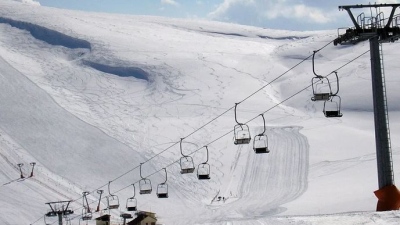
(241, 141)
(86, 217)
(187, 170)
(260, 144)
(203, 176)
(131, 208)
(145, 186)
(131, 204)
(162, 195)
(261, 150)
(187, 165)
(333, 114)
(321, 97)
(144, 192)
(203, 171)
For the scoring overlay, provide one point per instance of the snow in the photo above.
(90, 96)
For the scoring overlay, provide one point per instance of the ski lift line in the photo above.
(226, 111)
(284, 73)
(222, 136)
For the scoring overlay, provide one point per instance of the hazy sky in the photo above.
(276, 14)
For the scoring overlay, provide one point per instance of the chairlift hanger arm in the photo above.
(109, 192)
(134, 191)
(180, 146)
(236, 114)
(337, 83)
(166, 176)
(265, 129)
(140, 171)
(313, 64)
(207, 155)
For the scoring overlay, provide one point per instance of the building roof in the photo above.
(139, 218)
(105, 217)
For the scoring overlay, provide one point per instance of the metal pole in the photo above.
(383, 151)
(60, 220)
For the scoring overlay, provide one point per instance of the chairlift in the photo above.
(100, 192)
(162, 189)
(86, 213)
(112, 200)
(33, 166)
(20, 170)
(260, 142)
(241, 132)
(320, 85)
(332, 107)
(46, 220)
(144, 184)
(186, 162)
(203, 169)
(67, 220)
(131, 203)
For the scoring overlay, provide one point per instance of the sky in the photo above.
(275, 14)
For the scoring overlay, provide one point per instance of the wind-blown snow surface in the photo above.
(89, 96)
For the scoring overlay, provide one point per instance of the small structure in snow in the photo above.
(144, 218)
(103, 220)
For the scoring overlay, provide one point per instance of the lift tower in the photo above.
(59, 209)
(377, 29)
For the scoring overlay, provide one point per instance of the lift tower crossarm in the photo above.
(348, 7)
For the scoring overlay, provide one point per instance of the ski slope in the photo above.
(90, 96)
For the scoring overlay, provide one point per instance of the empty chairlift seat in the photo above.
(162, 189)
(260, 142)
(131, 203)
(242, 134)
(203, 169)
(186, 162)
(332, 107)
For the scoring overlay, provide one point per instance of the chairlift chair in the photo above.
(112, 200)
(86, 213)
(131, 203)
(144, 184)
(260, 142)
(46, 222)
(321, 86)
(241, 132)
(186, 162)
(321, 89)
(332, 107)
(100, 192)
(203, 169)
(162, 189)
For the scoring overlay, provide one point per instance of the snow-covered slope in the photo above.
(90, 96)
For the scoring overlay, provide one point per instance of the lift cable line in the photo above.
(226, 111)
(230, 131)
